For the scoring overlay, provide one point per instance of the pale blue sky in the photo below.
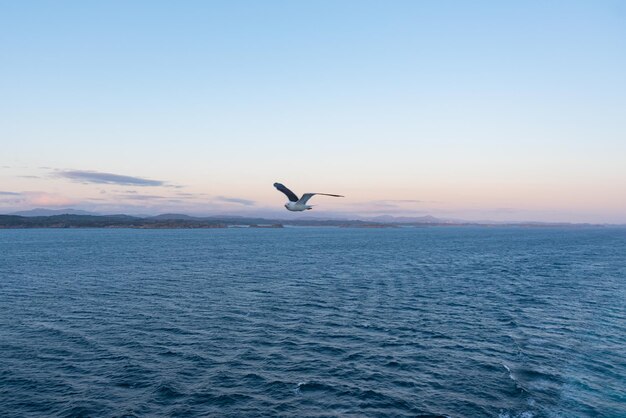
(498, 110)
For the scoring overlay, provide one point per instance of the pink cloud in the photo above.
(47, 199)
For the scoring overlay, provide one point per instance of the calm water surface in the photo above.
(464, 322)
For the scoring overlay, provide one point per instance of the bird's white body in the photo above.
(297, 206)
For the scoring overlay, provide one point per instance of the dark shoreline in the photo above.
(187, 222)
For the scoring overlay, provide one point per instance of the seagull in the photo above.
(295, 204)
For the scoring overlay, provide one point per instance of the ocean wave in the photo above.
(429, 322)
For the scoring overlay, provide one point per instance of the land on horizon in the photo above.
(72, 218)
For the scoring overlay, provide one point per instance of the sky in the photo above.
(507, 111)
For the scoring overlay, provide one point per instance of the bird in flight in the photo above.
(296, 204)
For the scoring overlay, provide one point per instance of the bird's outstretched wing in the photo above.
(290, 195)
(305, 197)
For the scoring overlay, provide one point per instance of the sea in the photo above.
(507, 322)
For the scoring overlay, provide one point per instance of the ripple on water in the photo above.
(432, 322)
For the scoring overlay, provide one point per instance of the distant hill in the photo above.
(52, 212)
(172, 221)
(173, 216)
(428, 219)
(165, 221)
(90, 221)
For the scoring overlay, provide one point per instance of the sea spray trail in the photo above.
(459, 322)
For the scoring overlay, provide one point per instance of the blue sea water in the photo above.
(463, 322)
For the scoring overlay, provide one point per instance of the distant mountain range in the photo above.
(168, 221)
(428, 219)
(72, 218)
(179, 216)
(52, 212)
